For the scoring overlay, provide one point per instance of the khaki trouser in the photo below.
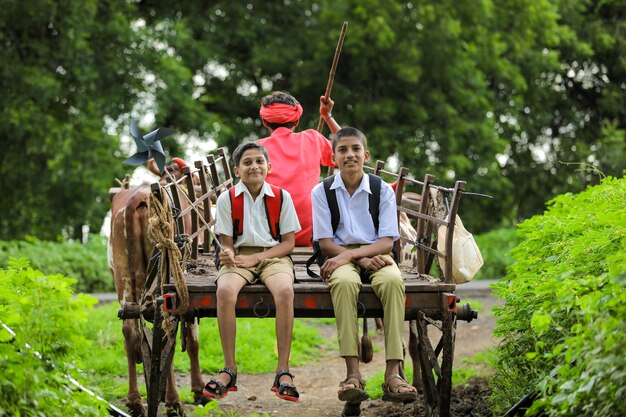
(264, 269)
(388, 285)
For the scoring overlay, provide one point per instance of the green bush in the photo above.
(46, 319)
(86, 263)
(495, 247)
(562, 327)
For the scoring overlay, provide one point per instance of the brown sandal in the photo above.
(352, 389)
(392, 392)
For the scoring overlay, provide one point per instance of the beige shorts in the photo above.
(265, 268)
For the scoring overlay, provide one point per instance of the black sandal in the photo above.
(392, 393)
(219, 389)
(282, 390)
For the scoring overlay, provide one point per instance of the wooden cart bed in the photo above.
(430, 301)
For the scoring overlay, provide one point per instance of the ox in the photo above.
(129, 252)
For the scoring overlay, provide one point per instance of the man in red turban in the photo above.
(296, 157)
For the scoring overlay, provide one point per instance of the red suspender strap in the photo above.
(272, 210)
(236, 205)
(273, 206)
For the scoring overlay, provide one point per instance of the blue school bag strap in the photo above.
(273, 206)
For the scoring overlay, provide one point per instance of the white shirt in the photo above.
(355, 221)
(256, 230)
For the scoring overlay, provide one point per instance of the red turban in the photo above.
(281, 113)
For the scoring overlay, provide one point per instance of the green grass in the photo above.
(476, 305)
(255, 352)
(495, 247)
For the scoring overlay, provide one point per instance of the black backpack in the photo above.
(374, 209)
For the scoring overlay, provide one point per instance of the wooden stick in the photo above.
(333, 68)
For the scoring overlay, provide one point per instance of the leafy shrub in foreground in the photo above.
(87, 263)
(43, 313)
(495, 247)
(562, 327)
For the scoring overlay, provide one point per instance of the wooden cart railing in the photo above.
(429, 301)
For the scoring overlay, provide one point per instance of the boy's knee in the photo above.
(395, 280)
(284, 295)
(391, 277)
(345, 285)
(389, 284)
(226, 294)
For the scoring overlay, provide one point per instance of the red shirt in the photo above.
(296, 160)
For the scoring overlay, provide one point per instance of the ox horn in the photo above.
(153, 167)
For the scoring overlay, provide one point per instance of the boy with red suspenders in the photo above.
(256, 224)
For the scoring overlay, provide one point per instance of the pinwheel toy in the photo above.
(148, 146)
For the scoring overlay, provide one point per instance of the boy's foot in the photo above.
(218, 388)
(284, 387)
(352, 389)
(396, 389)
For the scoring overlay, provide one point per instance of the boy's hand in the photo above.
(326, 107)
(375, 263)
(333, 263)
(227, 257)
(247, 261)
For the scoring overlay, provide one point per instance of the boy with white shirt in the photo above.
(257, 251)
(355, 249)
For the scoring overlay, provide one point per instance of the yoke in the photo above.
(430, 301)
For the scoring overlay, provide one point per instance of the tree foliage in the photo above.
(85, 262)
(65, 67)
(56, 159)
(497, 93)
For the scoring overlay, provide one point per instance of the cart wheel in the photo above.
(414, 353)
(445, 383)
(436, 365)
(158, 352)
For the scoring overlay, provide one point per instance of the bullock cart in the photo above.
(430, 301)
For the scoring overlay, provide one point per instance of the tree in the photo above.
(565, 101)
(482, 92)
(65, 68)
(497, 93)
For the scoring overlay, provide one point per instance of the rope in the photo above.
(161, 231)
